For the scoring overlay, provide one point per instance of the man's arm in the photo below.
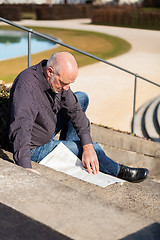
(22, 114)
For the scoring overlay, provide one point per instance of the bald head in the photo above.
(61, 68)
(64, 64)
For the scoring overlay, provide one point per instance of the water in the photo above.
(15, 44)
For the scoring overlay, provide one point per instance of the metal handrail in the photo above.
(31, 31)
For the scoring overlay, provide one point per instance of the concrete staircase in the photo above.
(54, 205)
(147, 120)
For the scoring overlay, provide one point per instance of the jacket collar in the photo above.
(39, 74)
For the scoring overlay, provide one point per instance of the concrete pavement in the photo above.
(111, 90)
(57, 206)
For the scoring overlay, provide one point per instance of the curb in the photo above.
(112, 138)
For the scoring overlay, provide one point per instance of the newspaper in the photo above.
(63, 160)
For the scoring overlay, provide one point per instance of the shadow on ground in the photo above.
(16, 226)
(151, 232)
(6, 156)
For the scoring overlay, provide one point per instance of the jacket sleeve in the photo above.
(22, 115)
(77, 116)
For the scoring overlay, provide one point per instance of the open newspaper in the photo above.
(63, 160)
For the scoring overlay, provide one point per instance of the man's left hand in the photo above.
(89, 159)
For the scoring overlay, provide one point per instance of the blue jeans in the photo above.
(72, 142)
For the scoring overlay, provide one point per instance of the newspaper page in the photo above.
(63, 160)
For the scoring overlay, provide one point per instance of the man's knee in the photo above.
(83, 99)
(97, 148)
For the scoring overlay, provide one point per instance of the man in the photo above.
(42, 104)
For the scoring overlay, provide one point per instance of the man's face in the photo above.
(60, 81)
(57, 85)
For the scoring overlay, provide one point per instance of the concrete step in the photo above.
(158, 115)
(150, 120)
(139, 120)
(63, 207)
(124, 141)
(147, 122)
(134, 159)
(54, 205)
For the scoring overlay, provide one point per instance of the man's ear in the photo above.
(50, 71)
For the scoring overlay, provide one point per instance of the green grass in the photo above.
(98, 44)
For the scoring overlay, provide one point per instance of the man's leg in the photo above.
(40, 152)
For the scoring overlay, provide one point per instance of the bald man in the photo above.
(42, 104)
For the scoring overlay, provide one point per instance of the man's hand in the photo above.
(33, 170)
(89, 159)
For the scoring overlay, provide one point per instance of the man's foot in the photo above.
(132, 174)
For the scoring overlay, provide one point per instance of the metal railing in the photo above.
(31, 31)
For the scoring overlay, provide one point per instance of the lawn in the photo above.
(98, 44)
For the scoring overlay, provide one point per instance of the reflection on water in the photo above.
(15, 44)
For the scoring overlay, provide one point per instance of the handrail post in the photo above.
(29, 47)
(134, 103)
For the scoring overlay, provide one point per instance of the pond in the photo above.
(15, 44)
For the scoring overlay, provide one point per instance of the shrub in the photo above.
(10, 12)
(4, 98)
(126, 16)
(151, 3)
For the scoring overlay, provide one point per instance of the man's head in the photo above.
(61, 71)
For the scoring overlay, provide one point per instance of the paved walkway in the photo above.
(111, 90)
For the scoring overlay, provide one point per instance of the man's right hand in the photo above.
(89, 159)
